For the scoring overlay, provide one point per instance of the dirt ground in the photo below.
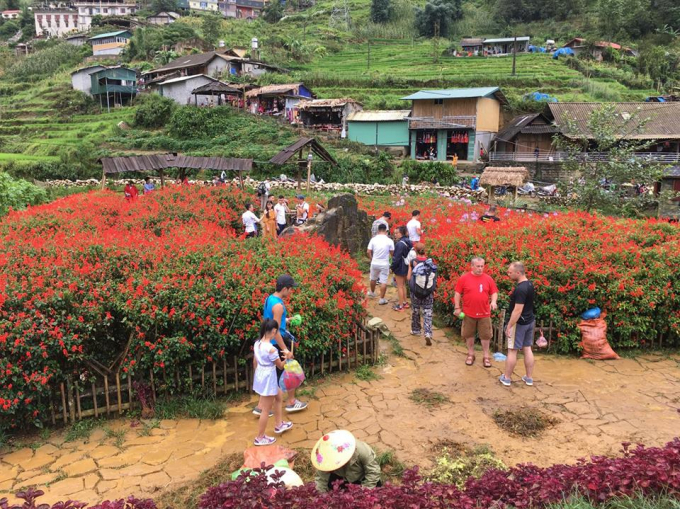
(598, 405)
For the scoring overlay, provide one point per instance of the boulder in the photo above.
(342, 224)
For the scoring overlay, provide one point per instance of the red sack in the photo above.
(594, 339)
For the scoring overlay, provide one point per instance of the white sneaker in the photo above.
(370, 294)
(382, 302)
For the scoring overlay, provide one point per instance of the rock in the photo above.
(342, 224)
(124, 126)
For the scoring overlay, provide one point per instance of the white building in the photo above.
(56, 22)
(204, 5)
(11, 14)
(179, 89)
(163, 18)
(89, 8)
(80, 79)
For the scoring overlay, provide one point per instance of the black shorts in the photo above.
(289, 345)
(250, 235)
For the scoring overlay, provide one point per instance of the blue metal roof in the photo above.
(112, 34)
(454, 93)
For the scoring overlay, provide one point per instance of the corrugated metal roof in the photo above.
(471, 41)
(326, 103)
(186, 62)
(506, 39)
(378, 115)
(157, 162)
(186, 78)
(110, 34)
(290, 151)
(673, 171)
(458, 93)
(661, 120)
(515, 126)
(215, 87)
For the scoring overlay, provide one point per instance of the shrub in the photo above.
(46, 62)
(167, 271)
(17, 194)
(576, 260)
(452, 467)
(419, 172)
(194, 122)
(153, 111)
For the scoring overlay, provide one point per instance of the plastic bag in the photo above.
(594, 340)
(292, 376)
(592, 314)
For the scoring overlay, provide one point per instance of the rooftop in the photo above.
(379, 116)
(458, 93)
(187, 78)
(507, 39)
(112, 34)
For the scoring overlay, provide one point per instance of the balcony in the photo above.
(459, 122)
(586, 157)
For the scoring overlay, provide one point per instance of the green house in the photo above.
(380, 128)
(114, 85)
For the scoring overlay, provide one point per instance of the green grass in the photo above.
(81, 430)
(365, 373)
(190, 407)
(428, 397)
(23, 158)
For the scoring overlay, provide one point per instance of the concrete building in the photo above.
(80, 78)
(382, 128)
(111, 43)
(11, 14)
(56, 22)
(243, 9)
(457, 121)
(204, 5)
(163, 18)
(505, 45)
(76, 40)
(105, 8)
(179, 89)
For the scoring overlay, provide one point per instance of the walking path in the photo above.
(599, 405)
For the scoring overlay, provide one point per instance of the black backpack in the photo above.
(423, 281)
(261, 189)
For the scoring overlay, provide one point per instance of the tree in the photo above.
(660, 64)
(273, 12)
(164, 6)
(381, 11)
(442, 12)
(211, 28)
(606, 131)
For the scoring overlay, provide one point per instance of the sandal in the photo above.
(470, 360)
(487, 362)
(406, 305)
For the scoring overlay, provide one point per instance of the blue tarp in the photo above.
(536, 49)
(564, 51)
(539, 97)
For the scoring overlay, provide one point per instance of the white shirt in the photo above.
(267, 188)
(413, 226)
(381, 246)
(280, 213)
(305, 209)
(412, 255)
(249, 219)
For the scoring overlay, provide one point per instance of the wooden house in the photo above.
(472, 45)
(113, 86)
(387, 129)
(328, 114)
(670, 182)
(163, 18)
(579, 44)
(505, 45)
(80, 78)
(76, 40)
(525, 138)
(279, 100)
(460, 121)
(181, 89)
(111, 43)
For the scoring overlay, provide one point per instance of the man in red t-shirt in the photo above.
(480, 295)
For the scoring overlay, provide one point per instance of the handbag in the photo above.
(292, 376)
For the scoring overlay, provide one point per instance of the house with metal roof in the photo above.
(181, 89)
(80, 78)
(113, 86)
(458, 121)
(505, 45)
(111, 43)
(279, 100)
(379, 128)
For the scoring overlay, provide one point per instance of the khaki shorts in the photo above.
(481, 326)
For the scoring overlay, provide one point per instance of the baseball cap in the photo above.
(300, 196)
(387, 214)
(285, 281)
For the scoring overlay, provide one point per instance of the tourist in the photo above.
(420, 306)
(301, 210)
(404, 181)
(379, 250)
(130, 192)
(474, 183)
(275, 308)
(268, 221)
(480, 297)
(414, 227)
(339, 456)
(148, 186)
(384, 219)
(250, 221)
(490, 215)
(281, 209)
(399, 265)
(519, 328)
(432, 154)
(265, 383)
(454, 161)
(263, 193)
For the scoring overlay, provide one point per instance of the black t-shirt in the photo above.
(486, 219)
(523, 294)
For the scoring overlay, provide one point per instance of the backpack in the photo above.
(261, 189)
(423, 281)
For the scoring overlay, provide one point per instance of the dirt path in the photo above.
(599, 405)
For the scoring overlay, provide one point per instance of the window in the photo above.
(106, 11)
(439, 101)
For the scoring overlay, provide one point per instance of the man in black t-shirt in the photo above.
(520, 327)
(490, 215)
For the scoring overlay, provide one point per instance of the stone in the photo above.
(65, 460)
(157, 456)
(104, 486)
(90, 481)
(39, 460)
(81, 467)
(7, 474)
(66, 487)
(34, 477)
(104, 451)
(155, 482)
(19, 457)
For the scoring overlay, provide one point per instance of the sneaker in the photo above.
(415, 333)
(258, 412)
(382, 302)
(505, 381)
(296, 407)
(370, 294)
(428, 341)
(528, 381)
(283, 427)
(265, 440)
(397, 307)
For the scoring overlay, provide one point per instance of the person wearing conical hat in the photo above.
(338, 456)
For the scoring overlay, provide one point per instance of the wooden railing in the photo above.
(109, 395)
(586, 157)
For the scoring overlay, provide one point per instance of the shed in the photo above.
(670, 181)
(279, 100)
(328, 114)
(113, 85)
(472, 44)
(111, 43)
(76, 40)
(297, 149)
(506, 45)
(496, 176)
(163, 18)
(216, 89)
(180, 89)
(80, 78)
(380, 128)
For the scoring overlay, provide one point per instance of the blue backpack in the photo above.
(423, 281)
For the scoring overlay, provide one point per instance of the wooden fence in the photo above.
(499, 342)
(108, 394)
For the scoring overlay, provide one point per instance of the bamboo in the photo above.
(120, 395)
(214, 370)
(71, 406)
(153, 386)
(340, 356)
(349, 355)
(77, 391)
(106, 394)
(94, 399)
(356, 347)
(236, 384)
(63, 402)
(224, 373)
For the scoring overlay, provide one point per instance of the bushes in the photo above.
(419, 172)
(153, 110)
(165, 271)
(194, 122)
(46, 62)
(17, 194)
(629, 268)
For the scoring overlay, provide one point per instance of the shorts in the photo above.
(480, 326)
(289, 345)
(380, 273)
(251, 235)
(522, 336)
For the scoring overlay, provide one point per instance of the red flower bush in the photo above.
(577, 261)
(81, 276)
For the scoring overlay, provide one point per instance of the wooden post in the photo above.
(103, 178)
(64, 408)
(309, 167)
(299, 169)
(106, 395)
(119, 394)
(240, 179)
(162, 175)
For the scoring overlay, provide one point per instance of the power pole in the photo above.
(514, 56)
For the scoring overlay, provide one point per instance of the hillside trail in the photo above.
(599, 405)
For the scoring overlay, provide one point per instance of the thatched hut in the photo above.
(495, 176)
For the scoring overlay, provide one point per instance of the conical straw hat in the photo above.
(333, 450)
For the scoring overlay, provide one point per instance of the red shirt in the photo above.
(476, 292)
(130, 192)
